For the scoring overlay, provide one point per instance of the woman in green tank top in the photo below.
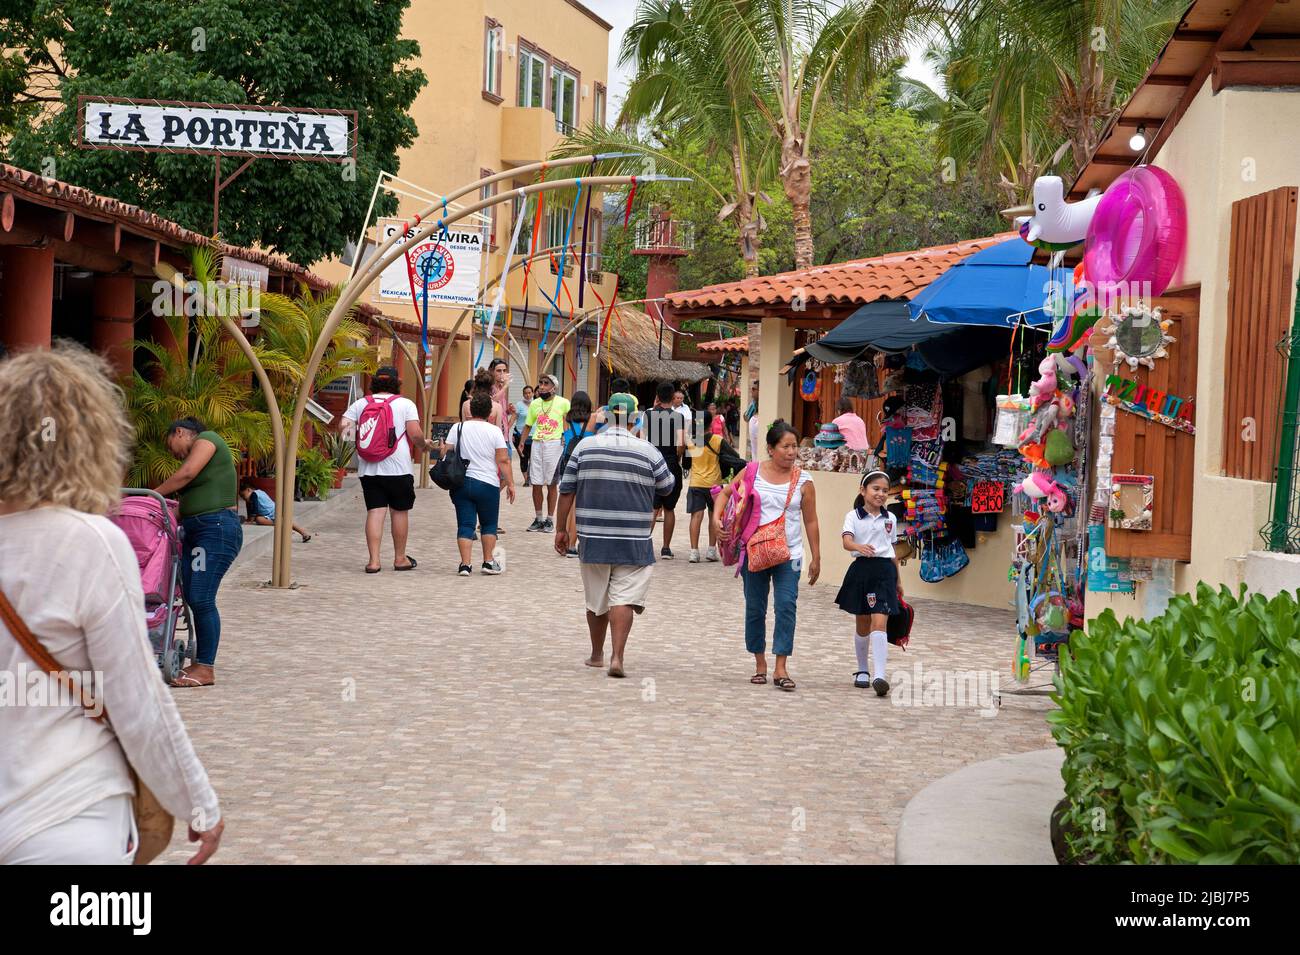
(208, 491)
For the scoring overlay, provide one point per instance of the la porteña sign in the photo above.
(225, 130)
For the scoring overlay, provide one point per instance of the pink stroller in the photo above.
(151, 523)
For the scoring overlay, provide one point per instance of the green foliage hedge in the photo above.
(1182, 733)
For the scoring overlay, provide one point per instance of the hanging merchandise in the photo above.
(1132, 499)
(1105, 574)
(861, 380)
(810, 386)
(1136, 239)
(925, 510)
(941, 561)
(1011, 421)
(1056, 225)
(898, 447)
(922, 473)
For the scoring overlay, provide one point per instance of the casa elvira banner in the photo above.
(450, 265)
(159, 125)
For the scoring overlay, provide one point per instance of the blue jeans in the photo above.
(477, 504)
(212, 542)
(784, 582)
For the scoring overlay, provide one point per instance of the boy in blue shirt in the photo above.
(261, 509)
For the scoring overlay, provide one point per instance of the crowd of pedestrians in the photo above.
(602, 479)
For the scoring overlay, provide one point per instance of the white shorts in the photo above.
(546, 455)
(101, 834)
(615, 585)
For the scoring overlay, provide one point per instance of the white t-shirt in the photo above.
(771, 498)
(397, 464)
(878, 531)
(481, 442)
(74, 580)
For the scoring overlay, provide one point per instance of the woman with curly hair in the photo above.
(70, 576)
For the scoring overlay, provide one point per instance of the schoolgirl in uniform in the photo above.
(871, 590)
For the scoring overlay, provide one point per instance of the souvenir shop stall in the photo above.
(931, 394)
(1103, 507)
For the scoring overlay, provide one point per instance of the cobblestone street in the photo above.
(423, 717)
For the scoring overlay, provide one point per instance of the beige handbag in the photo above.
(153, 823)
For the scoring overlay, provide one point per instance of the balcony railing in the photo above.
(563, 128)
(665, 233)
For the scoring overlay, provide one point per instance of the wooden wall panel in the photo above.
(1144, 447)
(1260, 262)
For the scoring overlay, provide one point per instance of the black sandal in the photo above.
(411, 566)
(759, 679)
(783, 683)
(373, 570)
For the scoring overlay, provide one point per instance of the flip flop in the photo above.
(411, 566)
(185, 682)
(306, 539)
(373, 570)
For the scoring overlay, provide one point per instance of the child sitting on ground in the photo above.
(261, 509)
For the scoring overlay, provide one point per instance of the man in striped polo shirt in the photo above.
(613, 479)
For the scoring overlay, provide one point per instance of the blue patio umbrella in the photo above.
(995, 286)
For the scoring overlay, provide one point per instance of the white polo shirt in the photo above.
(878, 531)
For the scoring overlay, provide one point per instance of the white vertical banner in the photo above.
(451, 265)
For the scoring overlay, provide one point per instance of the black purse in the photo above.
(451, 470)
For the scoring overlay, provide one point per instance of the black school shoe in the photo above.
(464, 570)
(862, 679)
(880, 686)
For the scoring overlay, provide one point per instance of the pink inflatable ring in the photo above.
(1137, 236)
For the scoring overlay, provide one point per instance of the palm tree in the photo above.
(1028, 82)
(784, 57)
(679, 107)
(209, 381)
(289, 329)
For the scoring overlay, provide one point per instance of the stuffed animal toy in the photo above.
(1043, 389)
(1040, 486)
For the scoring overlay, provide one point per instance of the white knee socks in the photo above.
(860, 644)
(879, 653)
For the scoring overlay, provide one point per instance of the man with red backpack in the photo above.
(386, 427)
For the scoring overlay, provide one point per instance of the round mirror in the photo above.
(1139, 336)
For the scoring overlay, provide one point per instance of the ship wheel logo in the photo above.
(434, 265)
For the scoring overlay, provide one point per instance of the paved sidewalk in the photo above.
(422, 717)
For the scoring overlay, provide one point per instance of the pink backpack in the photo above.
(376, 437)
(739, 518)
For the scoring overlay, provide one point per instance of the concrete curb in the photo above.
(996, 812)
(258, 540)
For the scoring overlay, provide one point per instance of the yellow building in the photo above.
(507, 80)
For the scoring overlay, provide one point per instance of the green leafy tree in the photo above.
(1030, 83)
(323, 54)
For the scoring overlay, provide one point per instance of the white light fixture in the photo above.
(1139, 140)
(510, 50)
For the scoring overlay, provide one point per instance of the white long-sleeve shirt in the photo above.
(73, 579)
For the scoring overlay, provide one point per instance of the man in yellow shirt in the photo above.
(546, 425)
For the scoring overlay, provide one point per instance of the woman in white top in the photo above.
(478, 500)
(773, 495)
(71, 576)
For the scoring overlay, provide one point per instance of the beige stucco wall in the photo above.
(460, 131)
(1238, 143)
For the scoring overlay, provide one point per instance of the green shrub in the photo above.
(1182, 733)
(315, 474)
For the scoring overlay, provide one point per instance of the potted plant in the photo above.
(315, 474)
(340, 453)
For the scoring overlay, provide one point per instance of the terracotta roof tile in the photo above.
(858, 282)
(738, 344)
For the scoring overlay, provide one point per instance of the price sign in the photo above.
(988, 497)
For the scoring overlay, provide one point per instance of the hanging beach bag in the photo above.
(810, 387)
(768, 546)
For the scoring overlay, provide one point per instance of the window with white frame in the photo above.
(493, 50)
(598, 105)
(564, 100)
(532, 78)
(487, 192)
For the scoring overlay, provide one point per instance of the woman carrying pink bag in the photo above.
(764, 534)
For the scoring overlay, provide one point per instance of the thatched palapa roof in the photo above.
(633, 345)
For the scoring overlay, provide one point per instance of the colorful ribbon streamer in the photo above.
(568, 232)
